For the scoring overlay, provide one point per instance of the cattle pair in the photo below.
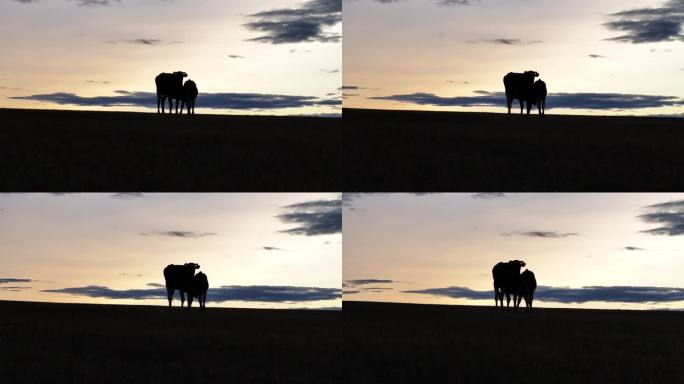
(170, 86)
(522, 86)
(510, 282)
(183, 279)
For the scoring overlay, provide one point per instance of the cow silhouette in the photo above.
(180, 278)
(169, 86)
(189, 96)
(537, 96)
(528, 284)
(198, 289)
(519, 86)
(507, 282)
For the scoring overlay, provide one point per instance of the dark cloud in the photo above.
(330, 70)
(11, 280)
(351, 87)
(554, 100)
(506, 41)
(248, 101)
(669, 216)
(630, 248)
(488, 196)
(543, 234)
(649, 24)
(13, 289)
(296, 25)
(156, 285)
(146, 41)
(594, 56)
(350, 292)
(237, 57)
(317, 217)
(620, 294)
(261, 293)
(272, 249)
(183, 234)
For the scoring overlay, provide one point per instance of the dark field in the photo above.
(65, 343)
(117, 151)
(486, 152)
(405, 343)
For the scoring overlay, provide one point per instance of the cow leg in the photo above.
(182, 298)
(508, 300)
(158, 97)
(190, 297)
(521, 106)
(509, 103)
(169, 294)
(529, 107)
(543, 107)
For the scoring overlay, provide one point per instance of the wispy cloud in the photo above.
(367, 282)
(246, 101)
(267, 248)
(542, 234)
(306, 23)
(554, 100)
(182, 234)
(506, 41)
(669, 216)
(311, 218)
(14, 280)
(630, 248)
(649, 24)
(488, 196)
(595, 56)
(619, 294)
(249, 293)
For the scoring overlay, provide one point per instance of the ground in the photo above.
(79, 151)
(78, 343)
(411, 343)
(411, 151)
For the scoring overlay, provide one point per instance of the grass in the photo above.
(412, 151)
(44, 150)
(77, 343)
(410, 343)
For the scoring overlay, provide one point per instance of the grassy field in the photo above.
(76, 343)
(45, 150)
(486, 152)
(408, 343)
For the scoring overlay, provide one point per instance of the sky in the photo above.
(249, 57)
(258, 250)
(600, 57)
(605, 251)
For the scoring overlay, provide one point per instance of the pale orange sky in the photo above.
(453, 240)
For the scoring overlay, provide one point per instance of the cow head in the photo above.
(180, 73)
(518, 263)
(532, 74)
(192, 265)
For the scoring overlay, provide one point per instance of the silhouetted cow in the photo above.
(199, 288)
(528, 284)
(506, 281)
(537, 97)
(179, 277)
(189, 96)
(518, 86)
(169, 85)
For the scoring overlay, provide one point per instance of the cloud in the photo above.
(237, 57)
(619, 294)
(295, 25)
(248, 101)
(93, 3)
(97, 82)
(669, 216)
(156, 285)
(350, 292)
(630, 248)
(595, 56)
(127, 195)
(330, 70)
(251, 293)
(554, 100)
(351, 87)
(183, 234)
(488, 196)
(367, 282)
(272, 249)
(317, 217)
(543, 234)
(506, 41)
(130, 274)
(11, 280)
(13, 289)
(27, 1)
(649, 25)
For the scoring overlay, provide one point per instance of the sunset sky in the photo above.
(596, 56)
(586, 250)
(258, 250)
(250, 57)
